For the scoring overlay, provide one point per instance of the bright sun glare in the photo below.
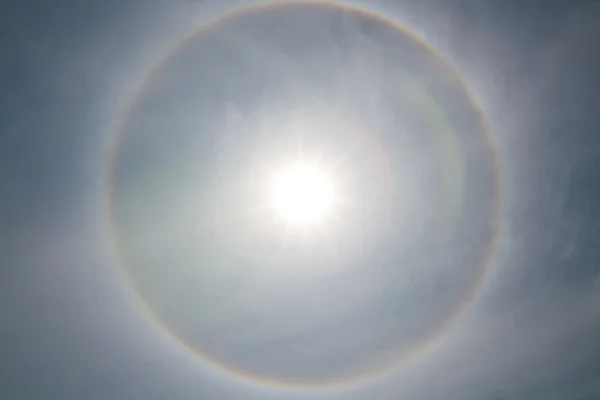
(301, 193)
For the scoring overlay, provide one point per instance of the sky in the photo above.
(137, 259)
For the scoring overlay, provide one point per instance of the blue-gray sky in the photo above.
(70, 327)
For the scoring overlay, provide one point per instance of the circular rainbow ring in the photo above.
(487, 259)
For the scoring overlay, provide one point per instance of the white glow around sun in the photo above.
(301, 193)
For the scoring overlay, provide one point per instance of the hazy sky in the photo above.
(137, 261)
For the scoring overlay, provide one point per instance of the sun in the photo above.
(301, 193)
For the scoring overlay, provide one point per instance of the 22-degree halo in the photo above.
(469, 295)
